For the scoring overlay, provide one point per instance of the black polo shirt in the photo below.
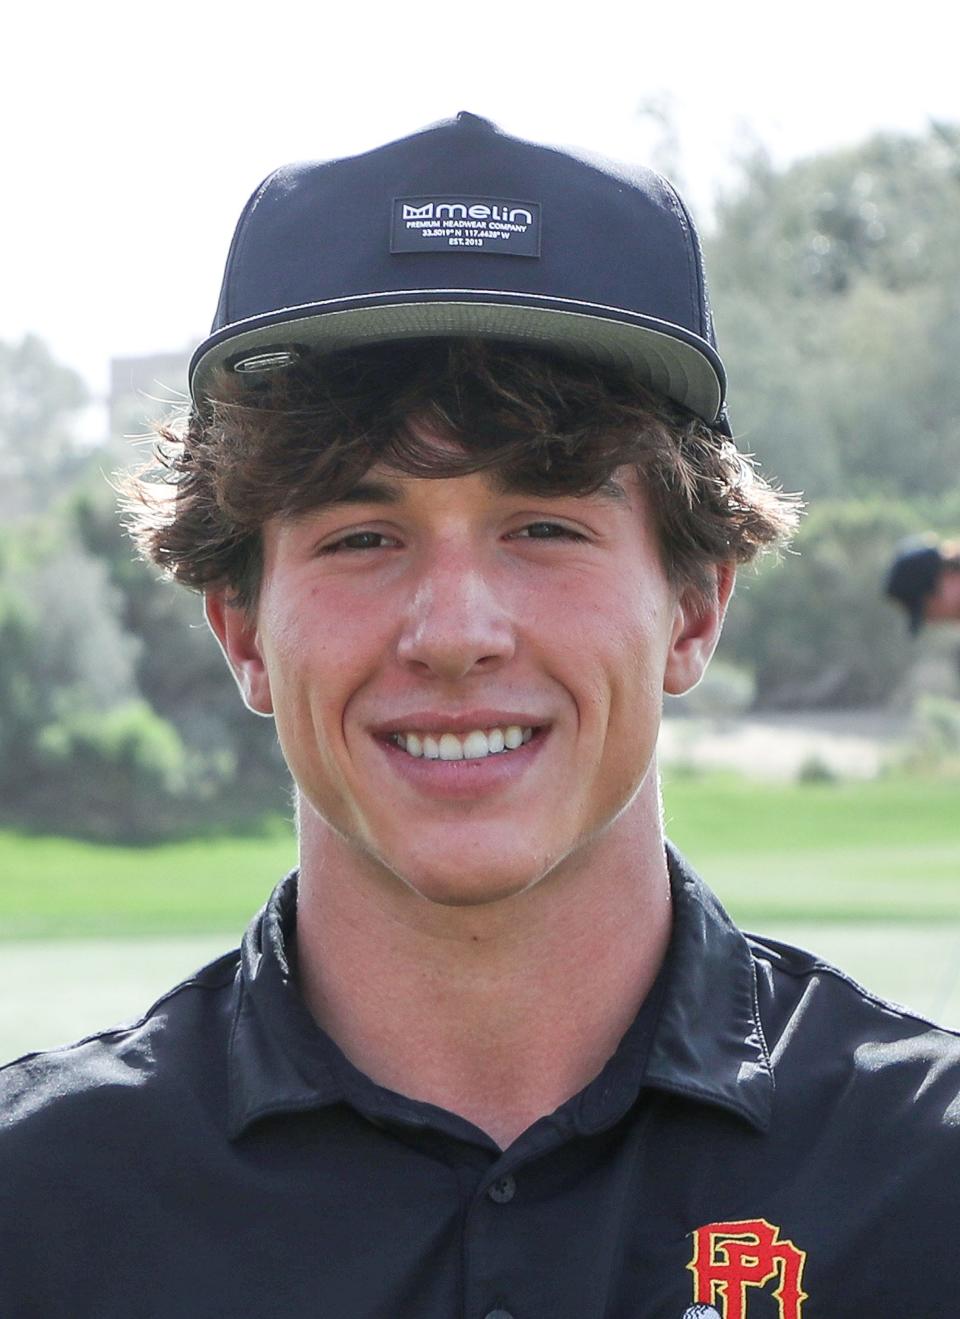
(767, 1142)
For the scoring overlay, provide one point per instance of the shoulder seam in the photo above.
(191, 982)
(816, 965)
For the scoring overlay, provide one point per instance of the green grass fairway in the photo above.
(885, 849)
(58, 888)
(865, 874)
(881, 850)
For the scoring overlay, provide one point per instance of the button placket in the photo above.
(503, 1190)
(491, 1248)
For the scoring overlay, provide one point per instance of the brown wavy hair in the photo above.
(305, 436)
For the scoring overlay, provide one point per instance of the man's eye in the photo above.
(549, 531)
(358, 540)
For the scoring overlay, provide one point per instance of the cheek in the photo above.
(322, 656)
(613, 654)
(622, 641)
(324, 633)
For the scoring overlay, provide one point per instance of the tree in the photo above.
(815, 628)
(39, 399)
(837, 289)
(237, 769)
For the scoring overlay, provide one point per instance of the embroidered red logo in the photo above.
(729, 1258)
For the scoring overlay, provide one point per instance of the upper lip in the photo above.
(429, 721)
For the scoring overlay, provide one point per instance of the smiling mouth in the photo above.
(475, 745)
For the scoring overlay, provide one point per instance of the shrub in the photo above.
(122, 774)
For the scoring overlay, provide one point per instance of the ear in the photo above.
(696, 630)
(239, 639)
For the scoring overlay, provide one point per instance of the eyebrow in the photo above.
(609, 489)
(612, 489)
(372, 490)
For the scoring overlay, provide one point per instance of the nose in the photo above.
(457, 621)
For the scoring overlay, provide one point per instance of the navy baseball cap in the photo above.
(912, 578)
(462, 230)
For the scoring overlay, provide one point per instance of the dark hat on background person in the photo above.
(912, 578)
(461, 230)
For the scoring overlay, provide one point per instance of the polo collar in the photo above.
(707, 1044)
(279, 1060)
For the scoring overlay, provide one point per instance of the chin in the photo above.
(469, 886)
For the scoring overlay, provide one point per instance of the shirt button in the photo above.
(502, 1192)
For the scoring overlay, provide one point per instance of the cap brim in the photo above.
(668, 359)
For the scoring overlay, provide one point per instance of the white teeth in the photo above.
(451, 748)
(474, 746)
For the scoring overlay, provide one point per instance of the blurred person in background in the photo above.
(924, 579)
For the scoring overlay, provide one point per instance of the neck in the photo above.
(499, 1012)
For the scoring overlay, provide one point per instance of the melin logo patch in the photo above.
(448, 223)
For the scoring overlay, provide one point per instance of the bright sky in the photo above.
(133, 134)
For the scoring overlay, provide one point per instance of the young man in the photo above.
(459, 488)
(924, 579)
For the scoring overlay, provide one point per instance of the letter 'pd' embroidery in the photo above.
(729, 1258)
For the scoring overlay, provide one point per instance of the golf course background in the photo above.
(865, 873)
(121, 730)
